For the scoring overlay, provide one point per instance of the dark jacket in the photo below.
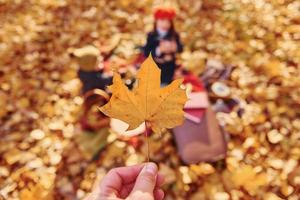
(93, 80)
(167, 67)
(153, 40)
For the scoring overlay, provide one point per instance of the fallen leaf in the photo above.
(169, 174)
(36, 192)
(247, 177)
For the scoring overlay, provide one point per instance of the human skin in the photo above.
(130, 183)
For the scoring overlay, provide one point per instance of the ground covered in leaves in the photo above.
(43, 153)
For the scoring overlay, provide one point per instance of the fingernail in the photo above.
(151, 168)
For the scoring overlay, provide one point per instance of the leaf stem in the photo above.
(147, 141)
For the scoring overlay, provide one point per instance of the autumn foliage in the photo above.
(43, 153)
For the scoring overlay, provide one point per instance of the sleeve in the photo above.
(179, 44)
(151, 45)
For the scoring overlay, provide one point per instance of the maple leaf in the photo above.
(161, 108)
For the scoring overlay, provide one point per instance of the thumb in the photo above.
(145, 182)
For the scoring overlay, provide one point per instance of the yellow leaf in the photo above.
(36, 192)
(247, 177)
(161, 108)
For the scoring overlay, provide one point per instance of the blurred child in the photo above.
(91, 71)
(93, 77)
(163, 43)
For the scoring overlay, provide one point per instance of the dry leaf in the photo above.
(39, 90)
(36, 192)
(160, 107)
(247, 177)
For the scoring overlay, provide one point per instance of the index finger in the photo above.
(127, 174)
(112, 183)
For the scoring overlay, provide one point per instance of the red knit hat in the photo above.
(164, 13)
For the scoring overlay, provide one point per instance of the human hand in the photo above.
(173, 47)
(139, 182)
(168, 46)
(163, 46)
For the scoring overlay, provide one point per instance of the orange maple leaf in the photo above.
(160, 107)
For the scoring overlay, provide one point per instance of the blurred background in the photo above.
(245, 53)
